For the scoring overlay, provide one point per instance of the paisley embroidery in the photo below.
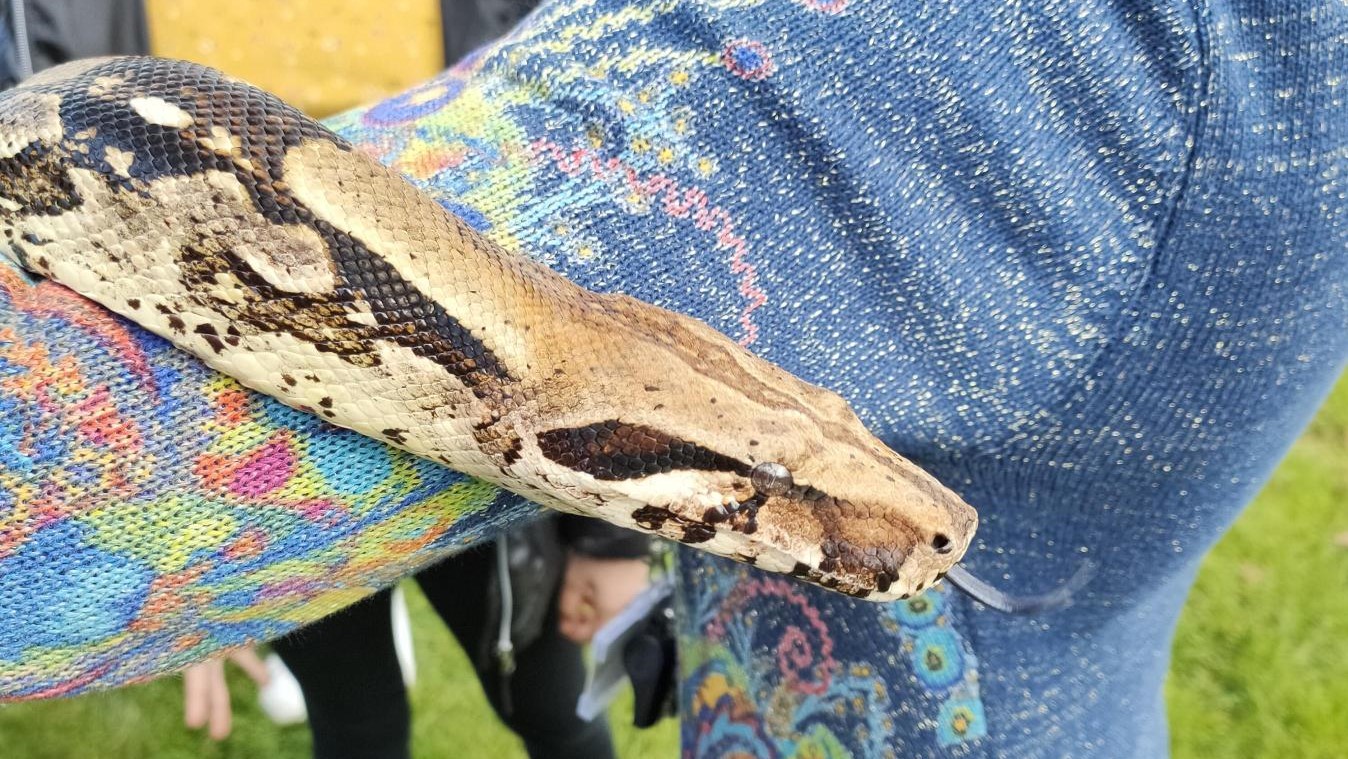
(771, 668)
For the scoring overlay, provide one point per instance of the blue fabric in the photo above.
(1085, 261)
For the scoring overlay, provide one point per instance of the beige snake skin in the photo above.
(218, 217)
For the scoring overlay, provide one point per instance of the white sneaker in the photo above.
(402, 638)
(281, 698)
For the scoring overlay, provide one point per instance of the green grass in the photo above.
(1260, 664)
(1260, 667)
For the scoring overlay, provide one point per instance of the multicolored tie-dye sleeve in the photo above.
(1084, 261)
(153, 512)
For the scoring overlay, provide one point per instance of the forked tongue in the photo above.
(1028, 604)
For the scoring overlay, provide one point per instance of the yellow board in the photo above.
(322, 56)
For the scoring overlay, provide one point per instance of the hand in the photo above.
(206, 696)
(594, 590)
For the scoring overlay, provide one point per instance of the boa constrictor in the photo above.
(216, 216)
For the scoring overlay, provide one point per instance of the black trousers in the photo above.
(348, 669)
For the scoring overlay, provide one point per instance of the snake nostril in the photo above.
(941, 543)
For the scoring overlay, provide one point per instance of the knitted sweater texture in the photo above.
(1086, 261)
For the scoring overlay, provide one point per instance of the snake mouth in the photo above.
(1002, 601)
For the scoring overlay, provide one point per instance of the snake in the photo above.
(213, 214)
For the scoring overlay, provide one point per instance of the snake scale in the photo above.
(222, 219)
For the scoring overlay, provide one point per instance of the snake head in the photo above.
(733, 455)
(844, 512)
(881, 528)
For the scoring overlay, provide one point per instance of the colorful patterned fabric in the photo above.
(1085, 262)
(153, 512)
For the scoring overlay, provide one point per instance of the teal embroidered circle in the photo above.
(920, 611)
(938, 658)
(960, 720)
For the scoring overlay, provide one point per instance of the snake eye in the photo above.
(771, 478)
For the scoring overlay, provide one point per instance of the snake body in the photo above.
(216, 216)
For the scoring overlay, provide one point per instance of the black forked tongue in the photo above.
(1032, 604)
